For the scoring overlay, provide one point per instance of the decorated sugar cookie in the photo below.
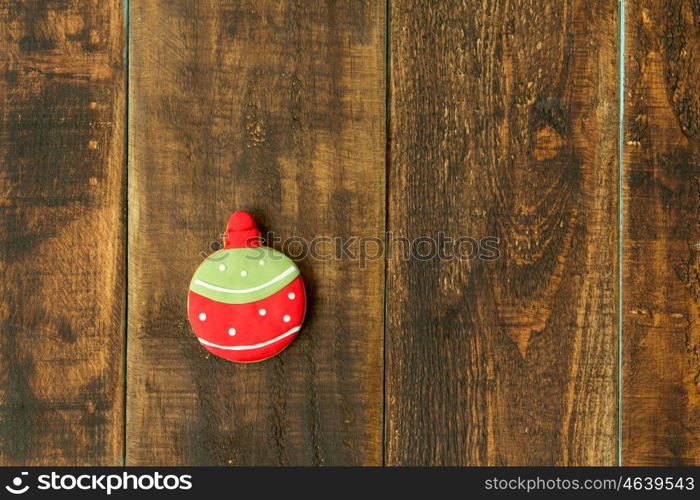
(246, 302)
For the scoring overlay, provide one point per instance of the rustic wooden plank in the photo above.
(276, 108)
(62, 189)
(661, 403)
(503, 124)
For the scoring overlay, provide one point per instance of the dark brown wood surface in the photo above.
(450, 119)
(276, 108)
(661, 384)
(503, 124)
(62, 242)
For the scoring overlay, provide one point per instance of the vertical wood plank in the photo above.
(276, 108)
(661, 402)
(61, 232)
(503, 124)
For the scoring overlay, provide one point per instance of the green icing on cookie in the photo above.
(242, 275)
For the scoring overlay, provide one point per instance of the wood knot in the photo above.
(548, 142)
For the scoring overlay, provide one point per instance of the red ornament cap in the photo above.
(241, 231)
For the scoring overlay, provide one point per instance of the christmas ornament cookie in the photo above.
(246, 302)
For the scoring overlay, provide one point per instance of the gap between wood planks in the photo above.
(126, 228)
(620, 208)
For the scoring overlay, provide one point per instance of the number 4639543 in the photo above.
(658, 483)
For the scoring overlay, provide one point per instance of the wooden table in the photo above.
(126, 145)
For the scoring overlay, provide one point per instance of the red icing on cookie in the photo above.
(249, 332)
(241, 231)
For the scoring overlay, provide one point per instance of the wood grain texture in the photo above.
(62, 267)
(276, 108)
(661, 384)
(503, 123)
